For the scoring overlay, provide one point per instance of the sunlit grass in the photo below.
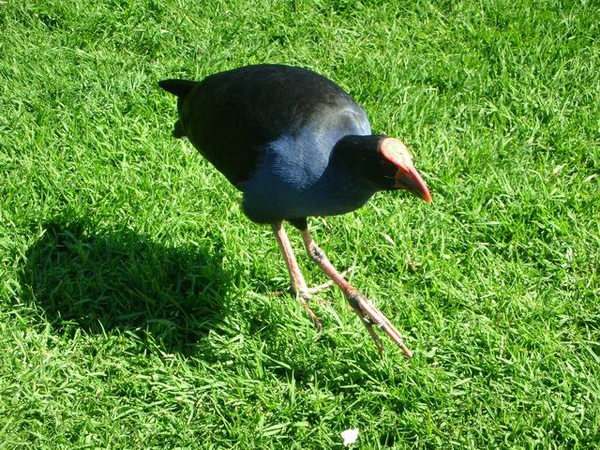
(137, 305)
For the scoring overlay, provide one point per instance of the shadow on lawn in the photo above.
(122, 280)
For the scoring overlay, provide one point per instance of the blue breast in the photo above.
(294, 178)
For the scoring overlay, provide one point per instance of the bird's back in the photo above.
(232, 116)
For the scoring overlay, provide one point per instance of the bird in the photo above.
(296, 145)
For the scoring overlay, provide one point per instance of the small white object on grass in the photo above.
(350, 436)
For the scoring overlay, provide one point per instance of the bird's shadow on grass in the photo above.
(122, 280)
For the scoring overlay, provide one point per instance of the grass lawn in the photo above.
(137, 305)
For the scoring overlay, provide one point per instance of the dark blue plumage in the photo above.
(296, 145)
(273, 131)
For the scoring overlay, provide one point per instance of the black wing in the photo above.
(230, 116)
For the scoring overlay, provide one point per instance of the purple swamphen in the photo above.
(296, 145)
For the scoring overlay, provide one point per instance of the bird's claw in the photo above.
(304, 298)
(370, 316)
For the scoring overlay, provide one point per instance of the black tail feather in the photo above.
(178, 130)
(180, 88)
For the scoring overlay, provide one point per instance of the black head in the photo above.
(383, 161)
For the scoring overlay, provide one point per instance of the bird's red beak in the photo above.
(407, 177)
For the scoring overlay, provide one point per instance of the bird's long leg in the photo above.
(328, 284)
(298, 284)
(363, 307)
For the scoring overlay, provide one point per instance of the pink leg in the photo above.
(298, 284)
(363, 307)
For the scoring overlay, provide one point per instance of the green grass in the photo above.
(136, 306)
